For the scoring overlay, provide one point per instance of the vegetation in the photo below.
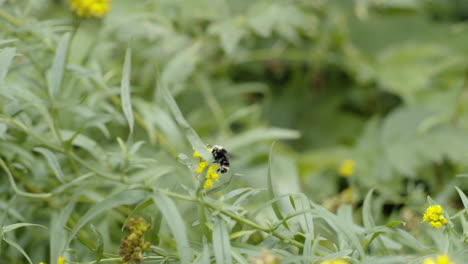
(346, 123)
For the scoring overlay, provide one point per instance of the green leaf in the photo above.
(230, 32)
(271, 190)
(176, 224)
(221, 242)
(6, 57)
(367, 211)
(125, 90)
(260, 134)
(205, 257)
(58, 66)
(342, 227)
(121, 198)
(462, 197)
(99, 251)
(189, 132)
(307, 251)
(58, 234)
(11, 227)
(19, 248)
(53, 162)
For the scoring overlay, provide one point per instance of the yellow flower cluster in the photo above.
(336, 261)
(434, 215)
(441, 259)
(211, 174)
(347, 168)
(90, 8)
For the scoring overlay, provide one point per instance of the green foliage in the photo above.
(99, 119)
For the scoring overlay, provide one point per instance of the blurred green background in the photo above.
(380, 82)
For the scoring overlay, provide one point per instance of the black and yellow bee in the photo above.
(221, 157)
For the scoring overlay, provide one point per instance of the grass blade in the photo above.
(221, 242)
(176, 224)
(58, 66)
(125, 90)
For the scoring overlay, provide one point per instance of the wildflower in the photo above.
(434, 215)
(441, 259)
(347, 168)
(61, 260)
(196, 155)
(42, 262)
(212, 173)
(336, 261)
(201, 166)
(131, 246)
(267, 257)
(90, 8)
(208, 184)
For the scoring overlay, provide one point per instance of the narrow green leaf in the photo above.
(271, 190)
(118, 199)
(189, 132)
(221, 242)
(462, 197)
(99, 251)
(53, 162)
(125, 90)
(260, 134)
(58, 234)
(58, 66)
(342, 226)
(19, 248)
(6, 57)
(11, 227)
(307, 252)
(367, 211)
(205, 258)
(176, 224)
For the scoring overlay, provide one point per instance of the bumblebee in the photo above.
(221, 157)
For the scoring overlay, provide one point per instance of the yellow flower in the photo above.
(441, 259)
(212, 172)
(196, 155)
(434, 215)
(42, 262)
(336, 261)
(208, 184)
(201, 167)
(90, 8)
(61, 260)
(347, 168)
